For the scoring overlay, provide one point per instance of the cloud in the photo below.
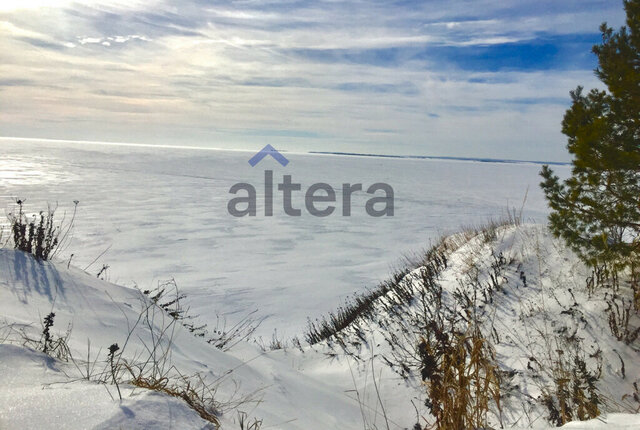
(447, 78)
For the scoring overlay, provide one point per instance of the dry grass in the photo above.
(46, 340)
(196, 392)
(462, 378)
(573, 394)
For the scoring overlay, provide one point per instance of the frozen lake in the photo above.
(162, 213)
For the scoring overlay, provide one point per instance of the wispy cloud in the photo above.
(445, 78)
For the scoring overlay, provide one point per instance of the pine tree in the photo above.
(597, 209)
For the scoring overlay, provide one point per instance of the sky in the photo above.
(465, 78)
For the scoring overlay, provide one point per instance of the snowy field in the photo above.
(160, 212)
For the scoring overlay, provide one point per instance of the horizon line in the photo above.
(125, 144)
(348, 154)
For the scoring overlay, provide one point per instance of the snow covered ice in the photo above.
(161, 213)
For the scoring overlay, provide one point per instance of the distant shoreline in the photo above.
(434, 157)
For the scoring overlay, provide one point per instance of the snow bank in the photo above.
(37, 392)
(103, 313)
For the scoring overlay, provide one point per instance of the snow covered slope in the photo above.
(104, 313)
(36, 393)
(531, 297)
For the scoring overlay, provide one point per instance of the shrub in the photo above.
(574, 394)
(619, 313)
(48, 342)
(462, 377)
(38, 234)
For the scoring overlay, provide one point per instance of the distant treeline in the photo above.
(431, 157)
